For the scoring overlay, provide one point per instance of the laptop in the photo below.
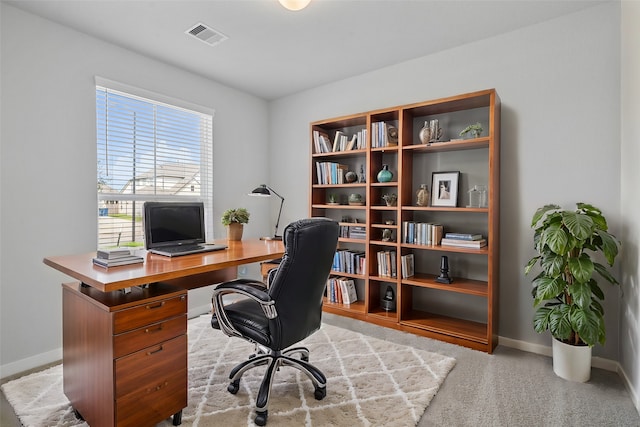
(175, 229)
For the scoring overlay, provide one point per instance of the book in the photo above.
(477, 244)
(348, 288)
(463, 236)
(125, 260)
(113, 253)
(407, 265)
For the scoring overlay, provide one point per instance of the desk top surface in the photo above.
(157, 268)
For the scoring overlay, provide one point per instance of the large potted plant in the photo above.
(566, 294)
(234, 220)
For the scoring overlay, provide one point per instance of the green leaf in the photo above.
(581, 268)
(560, 321)
(530, 264)
(602, 270)
(541, 212)
(595, 289)
(547, 288)
(552, 264)
(556, 238)
(609, 246)
(579, 225)
(541, 319)
(588, 323)
(581, 294)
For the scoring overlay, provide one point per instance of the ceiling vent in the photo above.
(206, 34)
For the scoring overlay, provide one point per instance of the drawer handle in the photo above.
(158, 329)
(153, 307)
(149, 353)
(158, 388)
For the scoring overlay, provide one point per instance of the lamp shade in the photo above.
(261, 191)
(295, 4)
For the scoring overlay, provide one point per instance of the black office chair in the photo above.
(289, 310)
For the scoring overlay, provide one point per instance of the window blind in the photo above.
(148, 151)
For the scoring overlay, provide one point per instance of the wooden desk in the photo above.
(125, 353)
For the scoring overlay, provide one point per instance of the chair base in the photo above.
(275, 359)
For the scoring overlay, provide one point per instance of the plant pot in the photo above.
(234, 231)
(571, 362)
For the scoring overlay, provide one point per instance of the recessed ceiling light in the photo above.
(295, 4)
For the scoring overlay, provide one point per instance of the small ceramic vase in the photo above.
(385, 175)
(423, 195)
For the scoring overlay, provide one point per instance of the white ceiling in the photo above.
(272, 52)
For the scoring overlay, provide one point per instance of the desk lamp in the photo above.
(265, 191)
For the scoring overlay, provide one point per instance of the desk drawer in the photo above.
(146, 314)
(149, 367)
(151, 405)
(149, 335)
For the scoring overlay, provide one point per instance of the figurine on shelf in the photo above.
(386, 235)
(389, 300)
(444, 271)
(362, 177)
(390, 199)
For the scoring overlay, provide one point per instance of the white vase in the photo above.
(571, 362)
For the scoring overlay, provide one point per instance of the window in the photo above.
(148, 151)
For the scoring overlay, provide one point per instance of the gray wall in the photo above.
(630, 177)
(48, 166)
(559, 86)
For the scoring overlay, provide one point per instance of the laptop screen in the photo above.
(173, 224)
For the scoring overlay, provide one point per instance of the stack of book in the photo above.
(116, 257)
(341, 290)
(357, 232)
(387, 263)
(348, 261)
(464, 240)
(421, 233)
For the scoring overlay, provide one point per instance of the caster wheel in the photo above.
(261, 418)
(78, 415)
(320, 393)
(233, 387)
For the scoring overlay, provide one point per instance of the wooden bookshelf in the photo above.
(467, 308)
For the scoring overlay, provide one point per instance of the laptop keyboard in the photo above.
(182, 248)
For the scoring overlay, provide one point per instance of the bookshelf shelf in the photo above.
(467, 308)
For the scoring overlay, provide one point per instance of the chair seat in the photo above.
(249, 319)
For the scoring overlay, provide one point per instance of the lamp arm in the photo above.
(274, 191)
(279, 213)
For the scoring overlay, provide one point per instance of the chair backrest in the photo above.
(298, 285)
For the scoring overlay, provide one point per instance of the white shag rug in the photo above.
(369, 382)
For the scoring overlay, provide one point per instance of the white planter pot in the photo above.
(571, 362)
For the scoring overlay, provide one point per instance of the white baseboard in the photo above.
(199, 311)
(32, 362)
(545, 350)
(635, 397)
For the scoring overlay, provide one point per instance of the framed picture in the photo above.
(444, 188)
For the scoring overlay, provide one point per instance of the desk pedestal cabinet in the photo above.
(125, 354)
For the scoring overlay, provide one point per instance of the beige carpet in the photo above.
(369, 382)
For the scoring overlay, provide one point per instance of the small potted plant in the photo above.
(333, 199)
(234, 220)
(475, 130)
(566, 295)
